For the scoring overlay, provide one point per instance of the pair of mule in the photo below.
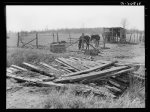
(86, 39)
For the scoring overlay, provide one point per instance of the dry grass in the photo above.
(17, 56)
(68, 99)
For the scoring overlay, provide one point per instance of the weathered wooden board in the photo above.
(68, 64)
(119, 86)
(112, 88)
(14, 69)
(53, 70)
(78, 64)
(20, 68)
(86, 62)
(35, 80)
(115, 73)
(37, 69)
(90, 70)
(64, 64)
(119, 81)
(89, 76)
(9, 70)
(102, 61)
(48, 66)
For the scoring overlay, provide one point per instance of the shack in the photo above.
(115, 34)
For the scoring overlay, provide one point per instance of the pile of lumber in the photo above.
(111, 75)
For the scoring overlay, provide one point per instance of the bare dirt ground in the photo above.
(30, 97)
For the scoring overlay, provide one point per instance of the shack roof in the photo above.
(113, 28)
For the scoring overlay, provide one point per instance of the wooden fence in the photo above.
(41, 39)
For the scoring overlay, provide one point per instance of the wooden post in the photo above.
(70, 38)
(57, 38)
(120, 36)
(37, 40)
(112, 36)
(18, 40)
(53, 38)
(134, 38)
(137, 37)
(104, 40)
(130, 38)
(143, 38)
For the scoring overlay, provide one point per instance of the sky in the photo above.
(29, 18)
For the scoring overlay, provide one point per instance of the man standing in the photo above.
(81, 42)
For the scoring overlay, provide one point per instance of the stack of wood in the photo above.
(109, 74)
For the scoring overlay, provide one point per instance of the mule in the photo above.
(96, 39)
(84, 39)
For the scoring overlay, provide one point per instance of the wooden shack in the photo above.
(115, 34)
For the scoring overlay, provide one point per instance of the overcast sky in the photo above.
(56, 17)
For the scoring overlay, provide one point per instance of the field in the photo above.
(22, 95)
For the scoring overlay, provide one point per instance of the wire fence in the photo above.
(45, 39)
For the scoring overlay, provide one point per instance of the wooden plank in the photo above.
(84, 60)
(115, 74)
(122, 80)
(20, 68)
(66, 69)
(64, 61)
(66, 65)
(118, 85)
(119, 81)
(89, 76)
(88, 64)
(9, 70)
(56, 71)
(112, 88)
(22, 78)
(13, 69)
(37, 69)
(38, 81)
(91, 69)
(76, 64)
(102, 61)
(48, 66)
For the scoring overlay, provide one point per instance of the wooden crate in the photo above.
(91, 52)
(57, 48)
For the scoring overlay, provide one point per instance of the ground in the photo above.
(30, 97)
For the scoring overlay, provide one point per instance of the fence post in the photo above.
(70, 38)
(53, 38)
(104, 40)
(135, 38)
(37, 40)
(57, 38)
(18, 40)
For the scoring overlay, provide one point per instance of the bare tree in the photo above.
(124, 23)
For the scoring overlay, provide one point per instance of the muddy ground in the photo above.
(18, 96)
